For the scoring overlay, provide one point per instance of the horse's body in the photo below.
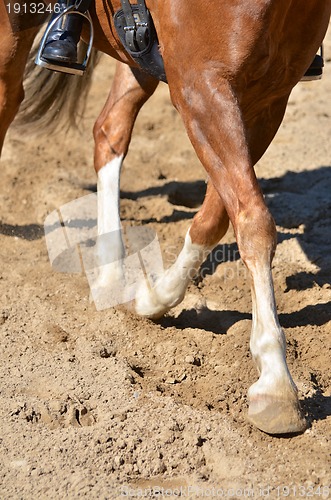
(230, 66)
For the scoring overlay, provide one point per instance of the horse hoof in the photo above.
(277, 417)
(148, 303)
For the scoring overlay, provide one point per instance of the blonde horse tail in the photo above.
(53, 100)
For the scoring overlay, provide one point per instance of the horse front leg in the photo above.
(208, 227)
(131, 88)
(214, 122)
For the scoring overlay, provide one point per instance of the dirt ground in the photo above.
(103, 404)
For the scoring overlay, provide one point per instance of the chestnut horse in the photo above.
(230, 66)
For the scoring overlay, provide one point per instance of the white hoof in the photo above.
(275, 416)
(108, 288)
(149, 302)
(276, 412)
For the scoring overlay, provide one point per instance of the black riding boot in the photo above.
(315, 70)
(61, 44)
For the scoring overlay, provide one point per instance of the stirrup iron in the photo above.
(315, 70)
(72, 69)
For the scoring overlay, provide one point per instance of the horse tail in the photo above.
(53, 99)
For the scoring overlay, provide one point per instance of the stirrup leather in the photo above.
(72, 69)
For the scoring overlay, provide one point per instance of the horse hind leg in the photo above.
(131, 88)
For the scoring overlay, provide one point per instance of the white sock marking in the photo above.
(268, 345)
(110, 248)
(169, 289)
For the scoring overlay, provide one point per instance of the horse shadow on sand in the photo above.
(316, 407)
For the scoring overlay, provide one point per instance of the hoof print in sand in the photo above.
(57, 414)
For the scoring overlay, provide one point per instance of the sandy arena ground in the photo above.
(103, 404)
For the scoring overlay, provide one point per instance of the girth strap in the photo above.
(142, 26)
(136, 30)
(127, 9)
